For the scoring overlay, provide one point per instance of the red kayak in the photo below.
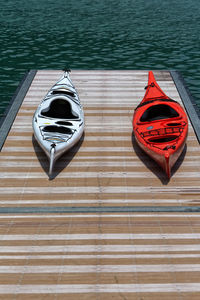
(160, 126)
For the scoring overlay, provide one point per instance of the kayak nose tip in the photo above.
(52, 158)
(167, 165)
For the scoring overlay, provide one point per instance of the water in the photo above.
(86, 34)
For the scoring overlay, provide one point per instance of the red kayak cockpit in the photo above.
(158, 112)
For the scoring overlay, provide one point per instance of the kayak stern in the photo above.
(51, 158)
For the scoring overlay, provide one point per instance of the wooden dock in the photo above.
(109, 225)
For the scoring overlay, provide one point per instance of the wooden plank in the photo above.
(109, 225)
(68, 254)
(106, 162)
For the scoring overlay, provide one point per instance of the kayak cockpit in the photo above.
(163, 139)
(158, 112)
(59, 109)
(57, 129)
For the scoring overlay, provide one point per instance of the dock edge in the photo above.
(14, 105)
(188, 101)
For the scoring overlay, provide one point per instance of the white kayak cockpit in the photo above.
(59, 109)
(57, 129)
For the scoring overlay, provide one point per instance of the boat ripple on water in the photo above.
(58, 122)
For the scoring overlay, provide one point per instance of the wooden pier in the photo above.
(109, 225)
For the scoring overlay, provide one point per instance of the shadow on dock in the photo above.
(61, 163)
(153, 166)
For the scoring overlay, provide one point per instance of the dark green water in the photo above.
(103, 34)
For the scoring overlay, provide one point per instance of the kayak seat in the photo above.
(59, 109)
(158, 112)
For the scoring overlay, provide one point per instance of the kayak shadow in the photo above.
(179, 160)
(62, 161)
(153, 166)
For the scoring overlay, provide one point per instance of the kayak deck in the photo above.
(160, 126)
(110, 223)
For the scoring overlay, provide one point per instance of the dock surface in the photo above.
(109, 225)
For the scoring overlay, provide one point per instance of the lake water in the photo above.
(103, 34)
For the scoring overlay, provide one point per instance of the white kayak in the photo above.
(58, 122)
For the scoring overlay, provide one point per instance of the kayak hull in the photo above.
(160, 126)
(58, 122)
(165, 159)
